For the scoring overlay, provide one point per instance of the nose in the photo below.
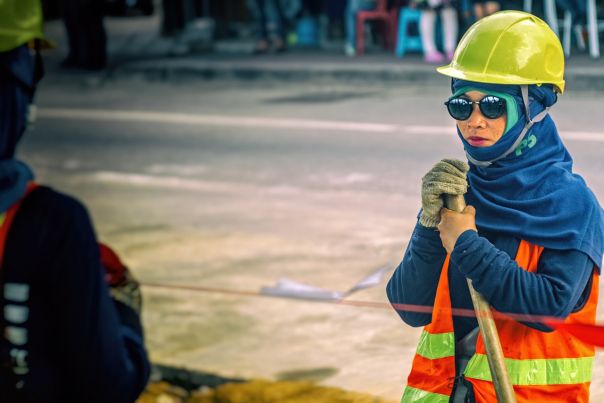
(476, 119)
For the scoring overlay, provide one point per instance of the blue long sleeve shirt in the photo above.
(560, 286)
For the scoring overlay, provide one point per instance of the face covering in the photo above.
(531, 192)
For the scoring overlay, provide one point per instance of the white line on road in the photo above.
(267, 122)
(171, 182)
(216, 120)
(582, 136)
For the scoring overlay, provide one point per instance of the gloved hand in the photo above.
(122, 285)
(446, 177)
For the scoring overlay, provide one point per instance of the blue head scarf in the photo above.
(16, 90)
(532, 193)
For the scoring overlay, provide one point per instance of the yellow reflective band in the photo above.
(436, 345)
(560, 371)
(418, 395)
(2, 218)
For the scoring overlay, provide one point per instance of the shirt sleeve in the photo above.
(557, 288)
(415, 280)
(105, 354)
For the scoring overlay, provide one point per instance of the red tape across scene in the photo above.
(590, 334)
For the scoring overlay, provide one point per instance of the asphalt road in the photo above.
(235, 184)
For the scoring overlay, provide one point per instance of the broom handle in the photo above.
(499, 373)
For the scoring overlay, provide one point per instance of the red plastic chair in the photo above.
(388, 19)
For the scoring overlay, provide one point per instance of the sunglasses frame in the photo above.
(501, 102)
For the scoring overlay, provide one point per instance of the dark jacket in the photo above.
(67, 340)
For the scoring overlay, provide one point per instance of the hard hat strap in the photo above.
(529, 123)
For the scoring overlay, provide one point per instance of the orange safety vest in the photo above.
(543, 367)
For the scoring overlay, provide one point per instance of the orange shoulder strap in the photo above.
(9, 216)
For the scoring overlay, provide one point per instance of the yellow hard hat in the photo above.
(509, 47)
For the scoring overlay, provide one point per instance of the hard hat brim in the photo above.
(481, 77)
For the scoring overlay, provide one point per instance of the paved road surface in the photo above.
(235, 184)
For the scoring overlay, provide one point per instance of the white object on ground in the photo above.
(293, 289)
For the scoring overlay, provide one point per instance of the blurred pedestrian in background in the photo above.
(334, 11)
(482, 8)
(266, 41)
(86, 34)
(71, 329)
(448, 15)
(577, 9)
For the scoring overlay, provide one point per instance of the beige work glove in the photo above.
(128, 292)
(446, 177)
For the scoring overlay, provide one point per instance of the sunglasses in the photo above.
(491, 106)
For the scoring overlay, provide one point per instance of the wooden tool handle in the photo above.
(499, 373)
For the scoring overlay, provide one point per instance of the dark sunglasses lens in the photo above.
(492, 107)
(459, 108)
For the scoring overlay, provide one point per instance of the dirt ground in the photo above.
(362, 349)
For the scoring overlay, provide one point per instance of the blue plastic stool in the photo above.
(404, 41)
(308, 32)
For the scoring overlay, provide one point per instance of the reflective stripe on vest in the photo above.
(434, 362)
(439, 345)
(432, 347)
(421, 396)
(557, 371)
(542, 366)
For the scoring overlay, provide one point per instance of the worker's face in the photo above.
(479, 130)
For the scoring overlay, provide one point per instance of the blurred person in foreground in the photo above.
(530, 239)
(70, 326)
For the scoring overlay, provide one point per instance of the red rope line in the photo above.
(427, 309)
(590, 334)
